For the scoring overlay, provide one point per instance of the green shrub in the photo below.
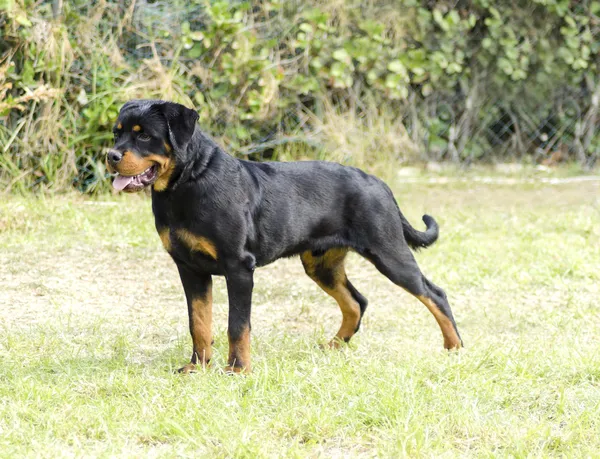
(355, 82)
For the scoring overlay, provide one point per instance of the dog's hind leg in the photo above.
(437, 302)
(327, 270)
(399, 265)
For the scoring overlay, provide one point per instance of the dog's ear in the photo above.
(181, 122)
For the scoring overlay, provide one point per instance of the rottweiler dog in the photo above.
(219, 215)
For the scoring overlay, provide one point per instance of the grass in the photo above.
(94, 323)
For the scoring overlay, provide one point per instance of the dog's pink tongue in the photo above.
(120, 182)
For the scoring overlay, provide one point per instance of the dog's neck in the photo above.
(195, 159)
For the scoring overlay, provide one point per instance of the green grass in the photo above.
(93, 323)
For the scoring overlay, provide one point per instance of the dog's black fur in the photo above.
(218, 215)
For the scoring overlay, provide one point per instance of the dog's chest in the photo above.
(189, 247)
(181, 240)
(192, 250)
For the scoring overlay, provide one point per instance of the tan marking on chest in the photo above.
(165, 237)
(197, 243)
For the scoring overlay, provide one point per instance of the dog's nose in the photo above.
(114, 156)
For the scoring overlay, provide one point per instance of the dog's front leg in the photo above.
(198, 292)
(239, 288)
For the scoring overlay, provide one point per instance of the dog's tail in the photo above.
(420, 239)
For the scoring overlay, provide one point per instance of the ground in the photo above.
(93, 324)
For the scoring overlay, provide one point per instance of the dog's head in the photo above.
(150, 137)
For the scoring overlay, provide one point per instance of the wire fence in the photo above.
(546, 132)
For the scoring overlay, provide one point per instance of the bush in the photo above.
(360, 83)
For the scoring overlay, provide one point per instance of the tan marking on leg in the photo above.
(350, 314)
(201, 328)
(451, 339)
(333, 260)
(165, 238)
(329, 259)
(239, 354)
(200, 317)
(197, 243)
(335, 257)
(136, 128)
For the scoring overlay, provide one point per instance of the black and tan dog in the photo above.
(217, 215)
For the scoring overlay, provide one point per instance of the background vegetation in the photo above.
(358, 82)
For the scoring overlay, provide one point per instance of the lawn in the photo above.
(93, 324)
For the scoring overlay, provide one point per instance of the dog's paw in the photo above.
(189, 368)
(194, 367)
(453, 345)
(335, 343)
(232, 370)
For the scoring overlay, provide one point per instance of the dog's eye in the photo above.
(144, 137)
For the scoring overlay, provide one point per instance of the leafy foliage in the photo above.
(464, 82)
